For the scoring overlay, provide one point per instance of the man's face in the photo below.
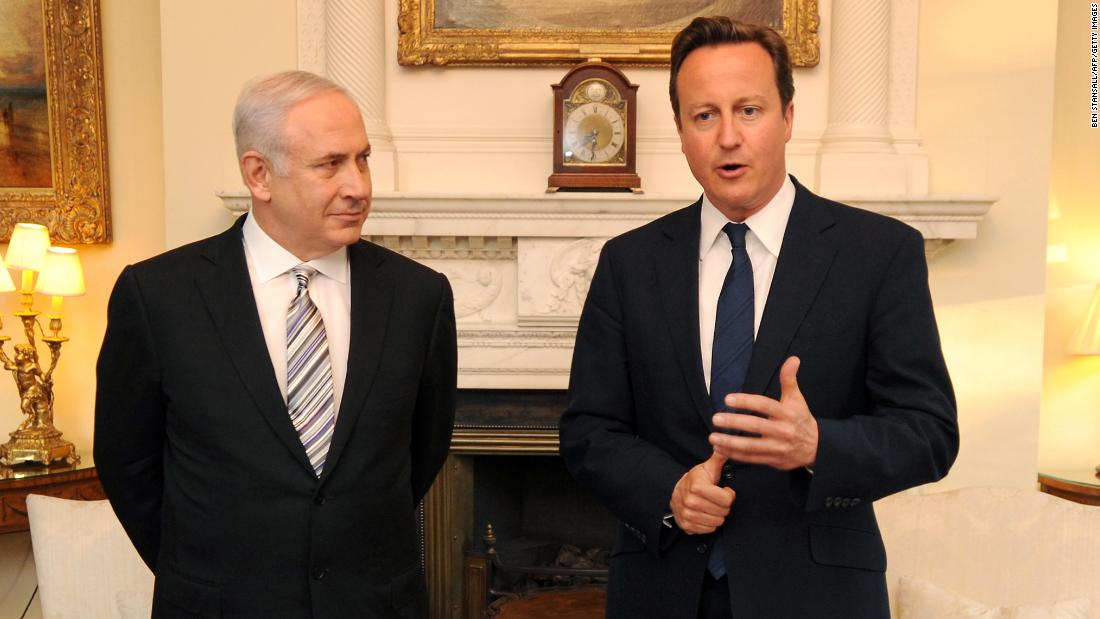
(321, 202)
(732, 126)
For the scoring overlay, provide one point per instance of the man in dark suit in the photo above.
(274, 401)
(808, 322)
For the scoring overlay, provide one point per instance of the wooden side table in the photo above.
(77, 482)
(1077, 485)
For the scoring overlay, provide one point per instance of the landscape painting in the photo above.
(24, 111)
(569, 14)
(526, 33)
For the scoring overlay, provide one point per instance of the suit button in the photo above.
(828, 501)
(320, 574)
(855, 501)
(320, 499)
(846, 503)
(701, 549)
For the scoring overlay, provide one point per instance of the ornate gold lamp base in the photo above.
(43, 445)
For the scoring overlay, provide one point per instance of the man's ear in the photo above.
(257, 174)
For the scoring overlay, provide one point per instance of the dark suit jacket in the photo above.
(850, 298)
(201, 463)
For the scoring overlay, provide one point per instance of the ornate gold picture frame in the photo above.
(53, 136)
(528, 33)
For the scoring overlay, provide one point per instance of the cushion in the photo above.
(83, 558)
(920, 599)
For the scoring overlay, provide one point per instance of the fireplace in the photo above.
(504, 471)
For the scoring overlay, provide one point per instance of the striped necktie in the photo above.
(309, 373)
(733, 335)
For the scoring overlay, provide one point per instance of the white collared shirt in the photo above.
(762, 242)
(274, 287)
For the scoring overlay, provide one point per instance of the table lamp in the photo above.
(59, 275)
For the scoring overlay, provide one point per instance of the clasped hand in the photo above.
(781, 433)
(698, 503)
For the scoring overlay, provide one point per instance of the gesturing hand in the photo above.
(783, 436)
(698, 503)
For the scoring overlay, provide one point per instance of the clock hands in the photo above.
(590, 138)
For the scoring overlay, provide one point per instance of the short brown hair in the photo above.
(718, 30)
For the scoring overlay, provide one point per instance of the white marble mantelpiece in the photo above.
(941, 219)
(520, 264)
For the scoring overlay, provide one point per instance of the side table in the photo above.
(74, 481)
(1077, 485)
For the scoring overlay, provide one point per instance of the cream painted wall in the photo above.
(1070, 429)
(209, 49)
(984, 109)
(132, 72)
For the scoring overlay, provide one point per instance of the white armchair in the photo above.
(998, 547)
(86, 566)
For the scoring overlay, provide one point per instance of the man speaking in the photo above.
(752, 371)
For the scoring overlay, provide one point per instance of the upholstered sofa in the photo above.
(964, 553)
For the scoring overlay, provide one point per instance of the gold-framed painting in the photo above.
(53, 142)
(528, 33)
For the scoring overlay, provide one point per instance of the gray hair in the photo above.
(262, 107)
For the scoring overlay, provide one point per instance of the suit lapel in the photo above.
(226, 289)
(804, 260)
(371, 299)
(678, 280)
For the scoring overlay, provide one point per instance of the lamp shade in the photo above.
(1086, 340)
(27, 249)
(61, 274)
(6, 285)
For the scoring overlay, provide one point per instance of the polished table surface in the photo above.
(72, 481)
(1078, 485)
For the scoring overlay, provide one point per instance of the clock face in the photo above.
(594, 128)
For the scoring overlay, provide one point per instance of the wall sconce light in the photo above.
(59, 275)
(1086, 340)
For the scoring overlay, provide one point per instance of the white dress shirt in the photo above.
(762, 242)
(274, 287)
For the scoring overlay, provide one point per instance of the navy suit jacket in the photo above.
(204, 469)
(849, 297)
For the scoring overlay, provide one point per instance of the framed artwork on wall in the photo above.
(565, 32)
(53, 142)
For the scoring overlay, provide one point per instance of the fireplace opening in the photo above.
(505, 524)
(545, 529)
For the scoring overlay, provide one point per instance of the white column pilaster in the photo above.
(904, 18)
(857, 155)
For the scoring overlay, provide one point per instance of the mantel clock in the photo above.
(595, 120)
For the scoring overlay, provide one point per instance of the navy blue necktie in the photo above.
(733, 326)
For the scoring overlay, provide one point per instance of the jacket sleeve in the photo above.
(129, 419)
(433, 418)
(599, 441)
(909, 435)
